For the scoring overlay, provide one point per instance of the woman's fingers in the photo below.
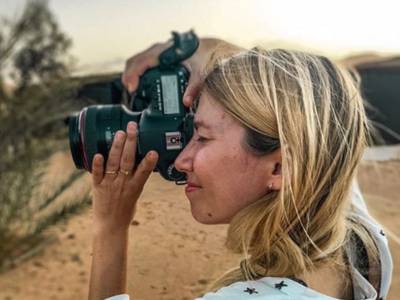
(114, 157)
(138, 64)
(193, 89)
(135, 67)
(145, 168)
(97, 168)
(129, 152)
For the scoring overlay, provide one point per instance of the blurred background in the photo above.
(52, 50)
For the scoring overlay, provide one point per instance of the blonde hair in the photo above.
(312, 111)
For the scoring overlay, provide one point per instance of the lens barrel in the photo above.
(75, 142)
(92, 131)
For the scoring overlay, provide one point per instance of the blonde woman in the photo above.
(279, 136)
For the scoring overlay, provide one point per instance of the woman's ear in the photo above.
(277, 169)
(274, 181)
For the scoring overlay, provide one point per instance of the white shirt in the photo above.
(279, 288)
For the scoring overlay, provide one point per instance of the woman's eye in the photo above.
(198, 138)
(201, 139)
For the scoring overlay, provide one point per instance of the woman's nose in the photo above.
(183, 163)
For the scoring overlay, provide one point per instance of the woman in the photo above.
(279, 135)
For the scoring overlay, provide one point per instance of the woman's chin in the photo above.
(201, 213)
(207, 218)
(202, 217)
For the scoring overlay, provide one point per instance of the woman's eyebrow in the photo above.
(201, 123)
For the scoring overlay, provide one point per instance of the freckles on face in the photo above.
(229, 185)
(230, 177)
(226, 172)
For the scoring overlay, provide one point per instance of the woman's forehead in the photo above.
(211, 115)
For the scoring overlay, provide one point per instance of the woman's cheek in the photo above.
(202, 156)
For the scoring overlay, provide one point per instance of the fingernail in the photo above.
(132, 125)
(118, 135)
(151, 154)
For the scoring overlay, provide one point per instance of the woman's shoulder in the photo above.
(378, 234)
(277, 288)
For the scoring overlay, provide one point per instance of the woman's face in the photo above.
(228, 177)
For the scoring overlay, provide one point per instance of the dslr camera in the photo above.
(164, 123)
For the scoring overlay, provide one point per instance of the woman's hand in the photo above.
(196, 64)
(117, 188)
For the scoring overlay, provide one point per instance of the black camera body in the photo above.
(164, 123)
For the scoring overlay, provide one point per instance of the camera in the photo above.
(164, 123)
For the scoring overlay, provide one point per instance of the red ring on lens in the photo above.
(82, 118)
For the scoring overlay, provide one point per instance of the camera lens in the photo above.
(81, 146)
(75, 141)
(92, 131)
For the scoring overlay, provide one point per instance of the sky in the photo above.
(105, 33)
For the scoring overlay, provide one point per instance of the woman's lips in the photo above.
(191, 188)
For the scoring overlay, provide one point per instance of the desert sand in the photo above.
(171, 256)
